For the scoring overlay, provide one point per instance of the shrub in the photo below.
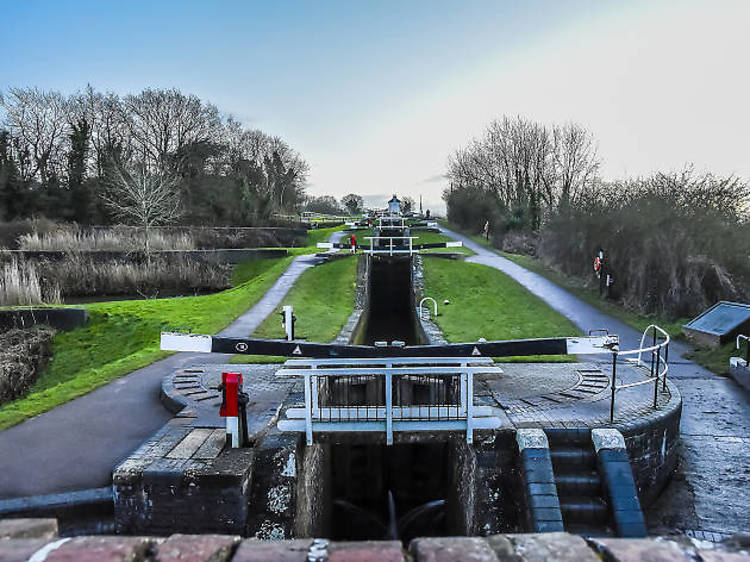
(23, 353)
(675, 243)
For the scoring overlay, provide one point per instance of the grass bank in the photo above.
(715, 360)
(590, 296)
(123, 336)
(323, 299)
(486, 303)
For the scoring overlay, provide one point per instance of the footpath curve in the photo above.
(76, 445)
(710, 494)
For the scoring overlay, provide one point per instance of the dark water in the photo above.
(391, 306)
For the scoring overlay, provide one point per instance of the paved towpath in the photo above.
(75, 445)
(710, 494)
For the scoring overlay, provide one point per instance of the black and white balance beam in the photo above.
(172, 341)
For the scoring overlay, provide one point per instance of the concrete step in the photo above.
(583, 509)
(572, 458)
(578, 484)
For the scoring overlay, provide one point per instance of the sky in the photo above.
(377, 94)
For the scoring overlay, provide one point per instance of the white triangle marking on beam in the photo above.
(475, 351)
(297, 351)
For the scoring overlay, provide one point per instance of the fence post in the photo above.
(315, 396)
(666, 366)
(469, 407)
(656, 386)
(614, 385)
(308, 409)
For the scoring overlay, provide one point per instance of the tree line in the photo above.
(675, 242)
(65, 157)
(518, 172)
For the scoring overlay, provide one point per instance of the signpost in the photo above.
(602, 273)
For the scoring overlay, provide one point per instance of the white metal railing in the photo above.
(389, 248)
(656, 363)
(352, 395)
(392, 222)
(434, 302)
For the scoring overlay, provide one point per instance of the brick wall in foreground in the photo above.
(22, 538)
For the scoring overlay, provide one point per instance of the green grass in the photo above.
(323, 300)
(590, 296)
(123, 336)
(486, 303)
(715, 360)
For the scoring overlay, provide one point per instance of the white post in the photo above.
(462, 392)
(308, 409)
(233, 429)
(288, 321)
(315, 395)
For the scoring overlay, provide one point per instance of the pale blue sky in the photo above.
(377, 94)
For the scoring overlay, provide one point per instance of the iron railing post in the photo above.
(656, 386)
(666, 367)
(614, 385)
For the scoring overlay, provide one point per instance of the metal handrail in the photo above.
(390, 250)
(387, 413)
(427, 299)
(655, 368)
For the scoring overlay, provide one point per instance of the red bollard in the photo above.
(231, 386)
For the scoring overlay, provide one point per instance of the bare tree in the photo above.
(161, 122)
(576, 161)
(146, 199)
(39, 121)
(526, 166)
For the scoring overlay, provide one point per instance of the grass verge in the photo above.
(715, 360)
(486, 303)
(323, 300)
(123, 336)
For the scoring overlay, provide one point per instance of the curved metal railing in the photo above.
(658, 367)
(434, 302)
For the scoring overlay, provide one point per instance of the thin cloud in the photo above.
(433, 179)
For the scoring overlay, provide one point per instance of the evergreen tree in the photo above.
(12, 200)
(80, 190)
